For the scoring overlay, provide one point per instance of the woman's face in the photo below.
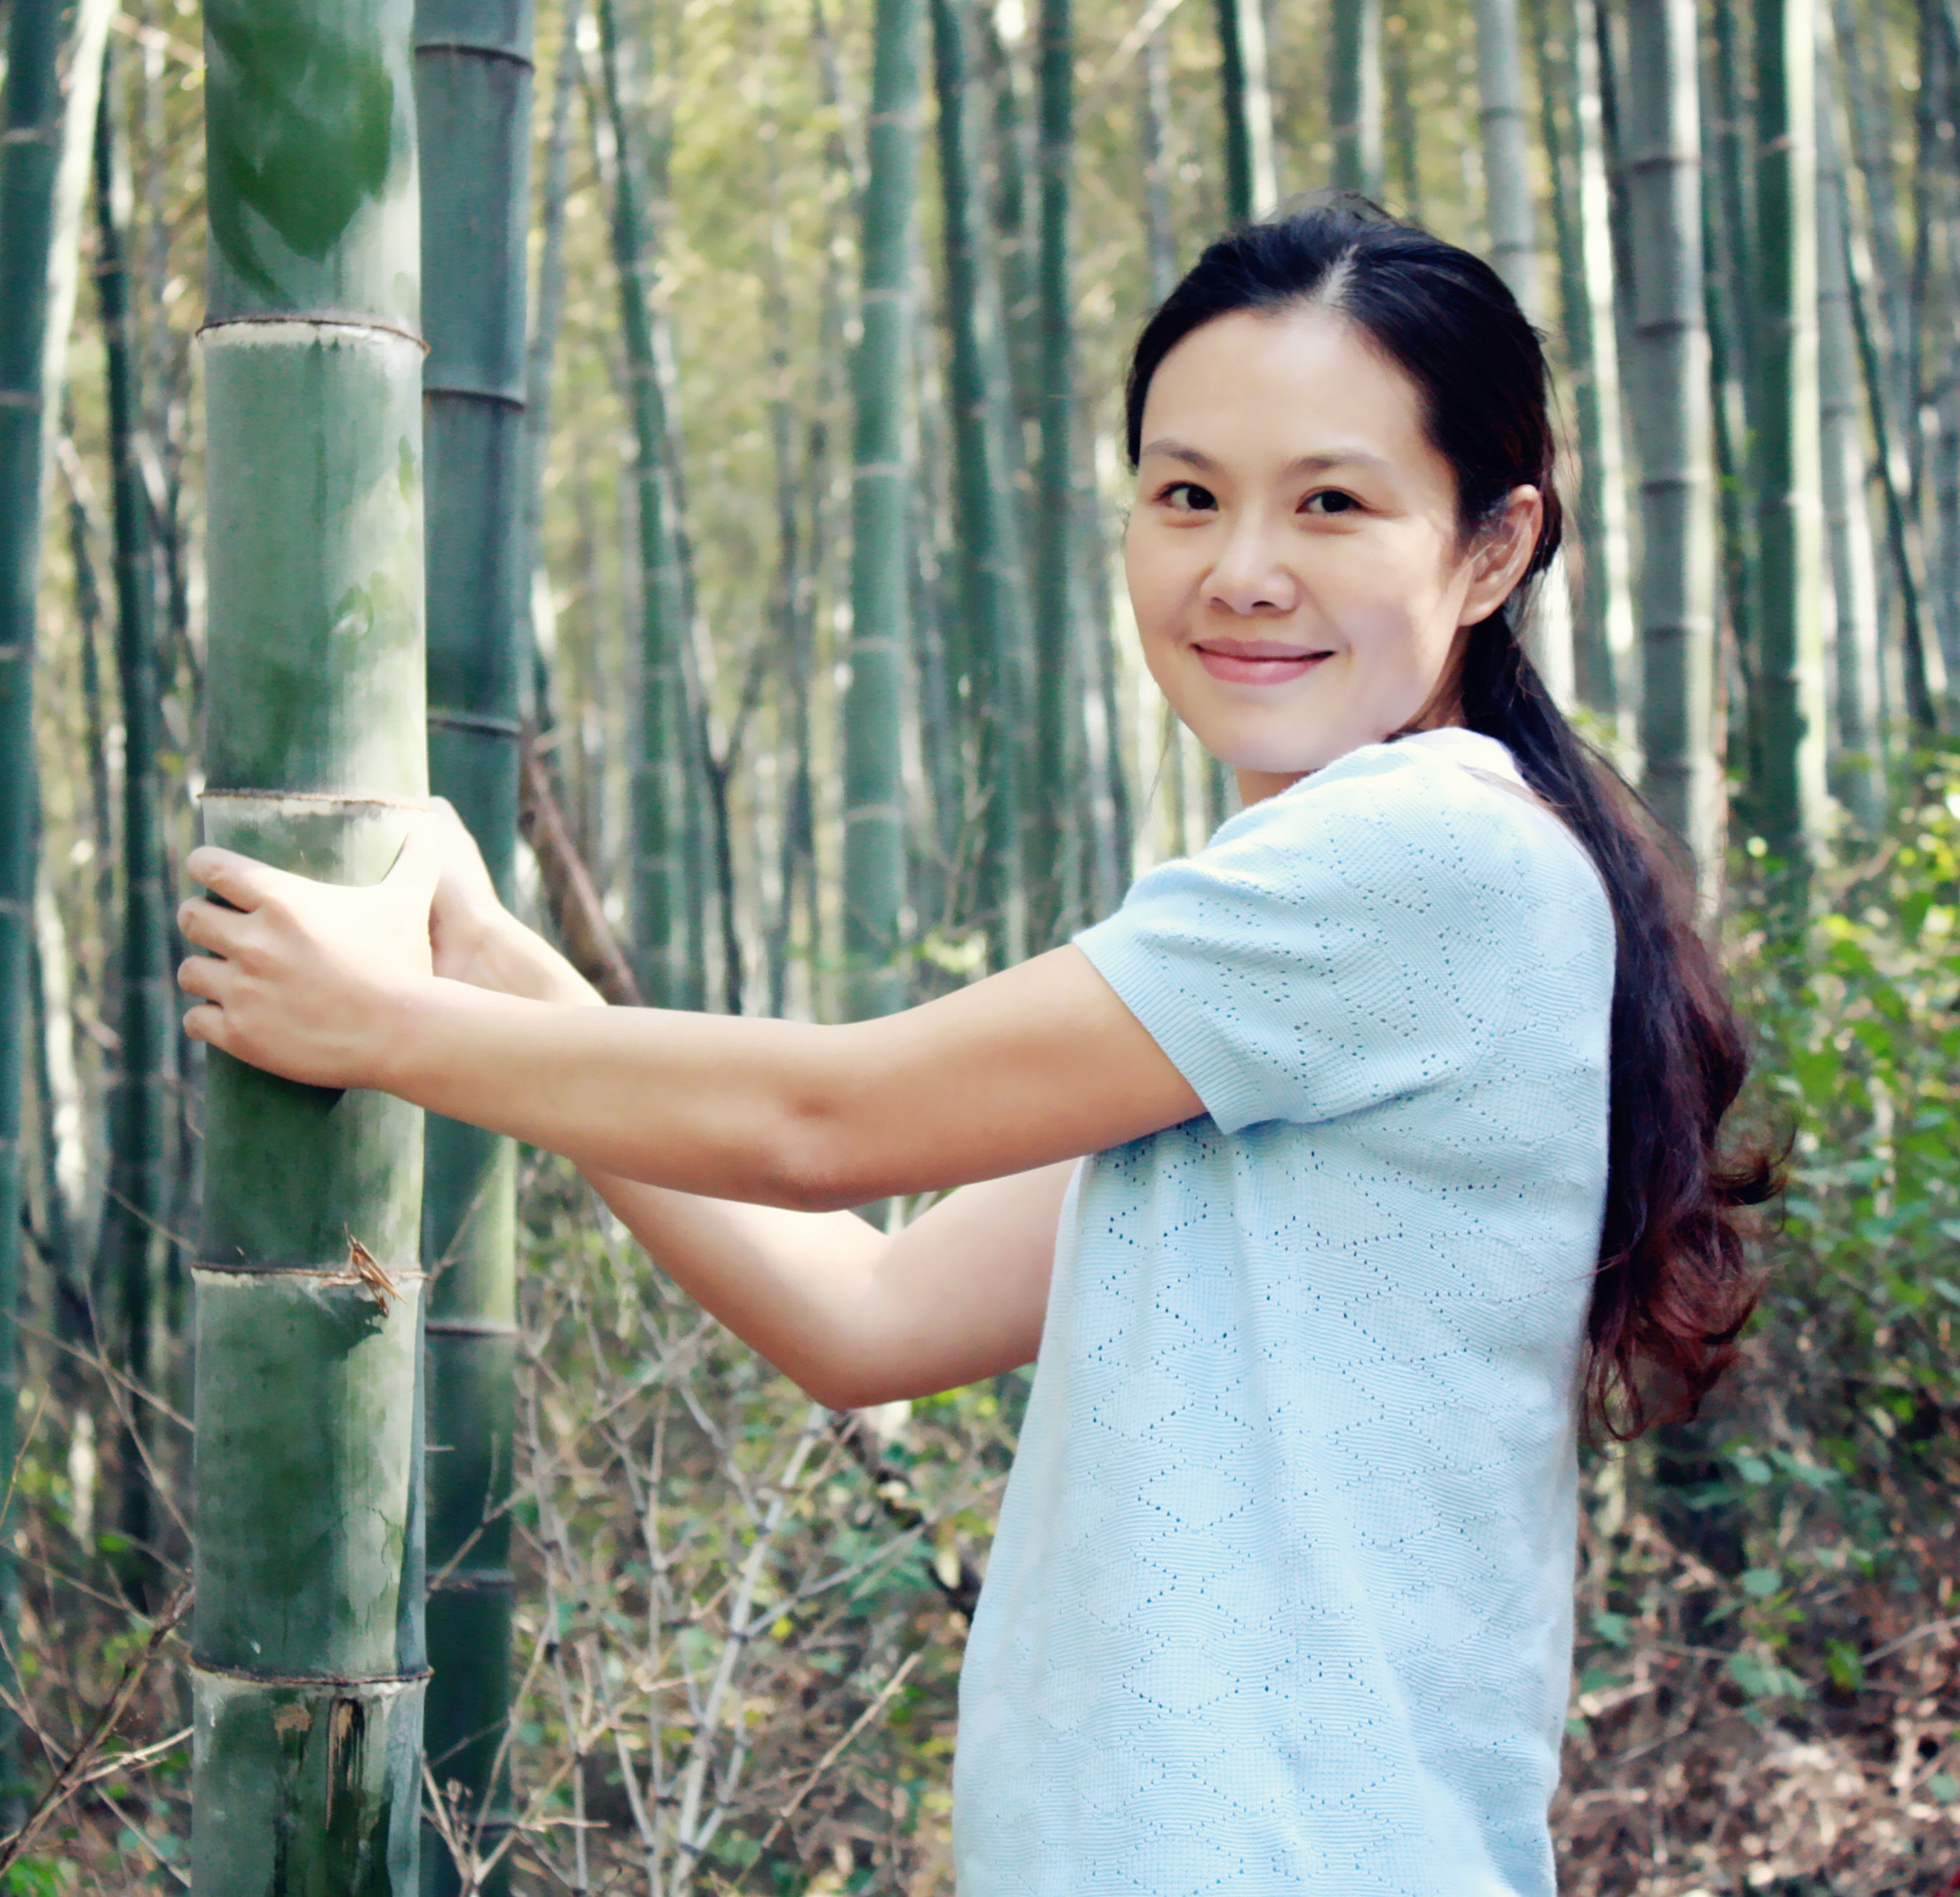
(1293, 554)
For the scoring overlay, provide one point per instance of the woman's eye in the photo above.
(1187, 497)
(1329, 500)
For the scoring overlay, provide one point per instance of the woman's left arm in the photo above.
(334, 986)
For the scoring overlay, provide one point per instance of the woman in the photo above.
(1400, 1104)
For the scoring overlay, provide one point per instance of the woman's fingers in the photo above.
(202, 974)
(207, 926)
(206, 1024)
(237, 879)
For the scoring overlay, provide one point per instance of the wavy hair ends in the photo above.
(1676, 1280)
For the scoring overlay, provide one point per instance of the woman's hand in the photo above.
(467, 916)
(474, 939)
(314, 981)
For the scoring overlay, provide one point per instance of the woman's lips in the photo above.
(1248, 662)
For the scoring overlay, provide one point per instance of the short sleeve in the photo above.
(1345, 942)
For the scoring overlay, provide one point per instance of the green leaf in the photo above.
(1846, 1666)
(1762, 1678)
(1612, 1629)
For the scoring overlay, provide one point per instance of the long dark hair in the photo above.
(1676, 1283)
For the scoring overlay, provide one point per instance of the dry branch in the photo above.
(74, 1772)
(570, 894)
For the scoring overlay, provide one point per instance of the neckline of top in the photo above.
(1475, 750)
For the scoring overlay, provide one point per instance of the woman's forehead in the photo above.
(1302, 388)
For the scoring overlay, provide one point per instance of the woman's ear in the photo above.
(1502, 554)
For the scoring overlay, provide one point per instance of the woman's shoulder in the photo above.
(1447, 804)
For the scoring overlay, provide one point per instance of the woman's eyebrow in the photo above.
(1339, 458)
(1322, 463)
(1177, 451)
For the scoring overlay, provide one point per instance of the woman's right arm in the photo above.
(854, 1316)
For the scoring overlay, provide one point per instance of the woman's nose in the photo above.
(1250, 578)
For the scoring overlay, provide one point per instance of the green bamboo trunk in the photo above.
(881, 566)
(1511, 220)
(659, 772)
(541, 353)
(1857, 749)
(1890, 274)
(137, 1209)
(1251, 182)
(1922, 667)
(1568, 86)
(1015, 237)
(30, 138)
(1179, 750)
(1051, 785)
(1399, 83)
(1500, 77)
(992, 575)
(55, 1233)
(1667, 375)
(1354, 95)
(1787, 708)
(308, 1665)
(1728, 223)
(473, 106)
(1160, 237)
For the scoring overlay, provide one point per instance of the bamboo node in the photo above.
(358, 799)
(353, 325)
(334, 1686)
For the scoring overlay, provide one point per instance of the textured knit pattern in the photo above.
(1280, 1600)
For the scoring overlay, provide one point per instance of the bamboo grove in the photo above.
(685, 434)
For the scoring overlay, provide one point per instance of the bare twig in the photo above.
(1930, 1631)
(73, 1773)
(573, 897)
(836, 1752)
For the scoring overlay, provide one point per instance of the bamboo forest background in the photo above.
(833, 703)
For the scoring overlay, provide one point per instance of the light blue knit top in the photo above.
(1280, 1599)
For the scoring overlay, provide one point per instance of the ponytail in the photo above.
(1675, 1284)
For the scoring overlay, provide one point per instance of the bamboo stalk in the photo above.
(658, 774)
(1252, 184)
(1052, 774)
(1787, 711)
(1160, 246)
(1569, 68)
(1354, 95)
(82, 91)
(473, 80)
(29, 134)
(137, 1210)
(1016, 226)
(876, 978)
(1729, 236)
(1668, 367)
(993, 578)
(1507, 161)
(308, 1666)
(1399, 83)
(541, 353)
(1922, 665)
(1857, 749)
